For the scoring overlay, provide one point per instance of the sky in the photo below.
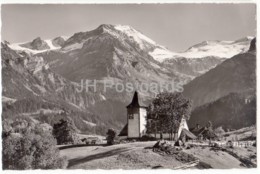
(175, 26)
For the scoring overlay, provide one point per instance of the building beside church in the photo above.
(136, 122)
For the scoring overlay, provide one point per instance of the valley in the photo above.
(45, 75)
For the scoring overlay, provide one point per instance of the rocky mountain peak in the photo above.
(37, 40)
(58, 41)
(107, 26)
(36, 44)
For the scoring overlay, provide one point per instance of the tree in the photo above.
(65, 132)
(29, 145)
(111, 134)
(168, 109)
(152, 125)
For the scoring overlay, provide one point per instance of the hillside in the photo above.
(234, 111)
(193, 67)
(226, 95)
(237, 74)
(31, 89)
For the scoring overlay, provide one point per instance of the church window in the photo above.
(131, 116)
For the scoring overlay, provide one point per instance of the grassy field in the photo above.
(139, 155)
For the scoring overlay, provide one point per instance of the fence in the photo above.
(222, 143)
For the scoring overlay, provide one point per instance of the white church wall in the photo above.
(183, 125)
(133, 126)
(143, 121)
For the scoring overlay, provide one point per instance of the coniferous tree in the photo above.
(65, 132)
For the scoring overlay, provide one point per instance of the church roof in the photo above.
(124, 131)
(188, 134)
(136, 103)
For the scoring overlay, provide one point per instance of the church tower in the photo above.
(136, 118)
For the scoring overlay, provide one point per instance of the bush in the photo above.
(29, 145)
(111, 134)
(210, 134)
(65, 132)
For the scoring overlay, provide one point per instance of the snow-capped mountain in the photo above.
(205, 56)
(221, 49)
(119, 52)
(123, 33)
(197, 60)
(38, 45)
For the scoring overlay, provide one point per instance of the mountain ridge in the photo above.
(159, 52)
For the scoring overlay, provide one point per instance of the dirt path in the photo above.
(137, 155)
(85, 159)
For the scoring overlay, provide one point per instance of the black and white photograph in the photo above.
(129, 86)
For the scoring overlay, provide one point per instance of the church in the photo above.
(136, 122)
(136, 119)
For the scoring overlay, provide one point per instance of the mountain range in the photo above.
(40, 77)
(116, 39)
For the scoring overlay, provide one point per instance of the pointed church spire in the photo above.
(135, 102)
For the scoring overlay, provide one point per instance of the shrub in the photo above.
(29, 145)
(111, 134)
